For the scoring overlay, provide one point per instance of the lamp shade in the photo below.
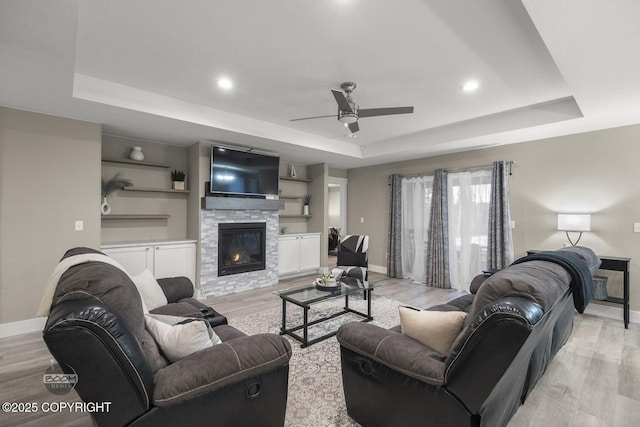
(574, 222)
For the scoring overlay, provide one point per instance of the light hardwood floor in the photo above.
(593, 381)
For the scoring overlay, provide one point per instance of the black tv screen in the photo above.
(243, 172)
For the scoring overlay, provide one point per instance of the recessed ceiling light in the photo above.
(225, 83)
(470, 85)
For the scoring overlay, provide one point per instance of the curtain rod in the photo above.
(467, 169)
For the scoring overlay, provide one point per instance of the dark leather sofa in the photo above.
(517, 321)
(96, 329)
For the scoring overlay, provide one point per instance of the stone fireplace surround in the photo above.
(217, 210)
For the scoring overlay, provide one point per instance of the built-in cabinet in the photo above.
(298, 253)
(163, 258)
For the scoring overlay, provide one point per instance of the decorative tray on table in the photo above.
(325, 283)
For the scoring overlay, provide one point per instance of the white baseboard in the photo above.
(378, 269)
(612, 312)
(22, 327)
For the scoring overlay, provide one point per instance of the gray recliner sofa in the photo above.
(96, 329)
(517, 321)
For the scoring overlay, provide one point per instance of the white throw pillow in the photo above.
(435, 329)
(179, 340)
(149, 290)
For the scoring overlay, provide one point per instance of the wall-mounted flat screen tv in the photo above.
(243, 172)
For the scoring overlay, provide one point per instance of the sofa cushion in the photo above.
(180, 337)
(395, 350)
(152, 354)
(216, 367)
(228, 333)
(435, 329)
(150, 291)
(462, 303)
(183, 309)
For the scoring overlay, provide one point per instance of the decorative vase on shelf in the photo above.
(292, 171)
(305, 210)
(105, 207)
(136, 154)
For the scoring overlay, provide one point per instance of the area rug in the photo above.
(316, 397)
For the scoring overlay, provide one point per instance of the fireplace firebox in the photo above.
(241, 247)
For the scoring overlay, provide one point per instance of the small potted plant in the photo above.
(306, 199)
(177, 178)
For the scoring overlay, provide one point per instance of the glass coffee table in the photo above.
(306, 296)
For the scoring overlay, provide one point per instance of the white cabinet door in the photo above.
(309, 252)
(134, 259)
(175, 260)
(288, 254)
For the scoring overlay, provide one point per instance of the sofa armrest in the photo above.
(95, 342)
(176, 288)
(394, 350)
(216, 367)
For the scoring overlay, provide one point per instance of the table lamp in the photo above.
(574, 223)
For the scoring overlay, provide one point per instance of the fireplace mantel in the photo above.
(239, 203)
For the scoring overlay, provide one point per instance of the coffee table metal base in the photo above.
(304, 339)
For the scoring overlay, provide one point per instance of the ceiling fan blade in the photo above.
(370, 112)
(309, 118)
(353, 127)
(343, 104)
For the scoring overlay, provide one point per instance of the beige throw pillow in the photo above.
(435, 329)
(179, 340)
(150, 291)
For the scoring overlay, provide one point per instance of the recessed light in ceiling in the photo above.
(225, 83)
(470, 85)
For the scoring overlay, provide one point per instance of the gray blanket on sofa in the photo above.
(581, 278)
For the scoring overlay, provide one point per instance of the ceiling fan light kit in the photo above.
(347, 117)
(349, 112)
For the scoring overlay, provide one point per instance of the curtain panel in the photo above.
(394, 250)
(437, 268)
(416, 206)
(469, 196)
(500, 245)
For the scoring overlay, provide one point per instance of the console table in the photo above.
(612, 263)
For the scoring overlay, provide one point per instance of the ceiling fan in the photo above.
(349, 112)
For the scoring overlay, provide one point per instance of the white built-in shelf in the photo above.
(294, 216)
(291, 197)
(136, 162)
(156, 190)
(288, 178)
(134, 216)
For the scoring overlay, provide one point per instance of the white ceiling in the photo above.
(148, 69)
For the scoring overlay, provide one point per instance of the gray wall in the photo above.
(595, 172)
(319, 221)
(49, 178)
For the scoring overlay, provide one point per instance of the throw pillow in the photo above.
(149, 290)
(179, 337)
(435, 329)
